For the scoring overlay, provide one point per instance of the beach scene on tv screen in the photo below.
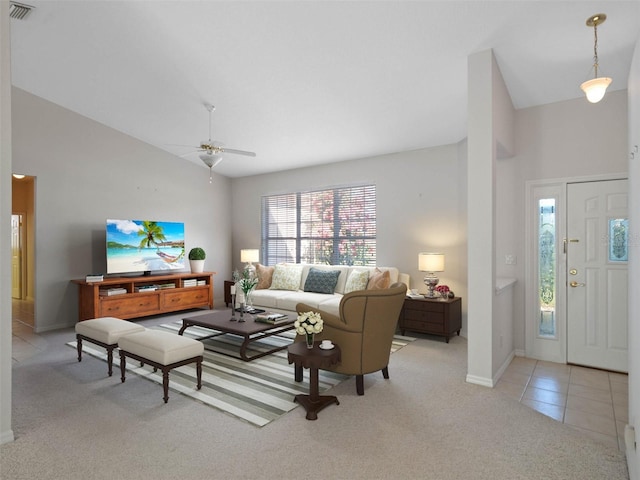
(144, 245)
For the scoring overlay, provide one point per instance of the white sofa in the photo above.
(285, 301)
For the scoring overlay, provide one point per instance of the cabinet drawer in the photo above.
(424, 316)
(194, 296)
(426, 327)
(127, 307)
(425, 306)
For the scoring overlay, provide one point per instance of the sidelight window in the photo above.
(547, 234)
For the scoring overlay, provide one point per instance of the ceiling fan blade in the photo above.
(190, 153)
(179, 145)
(237, 152)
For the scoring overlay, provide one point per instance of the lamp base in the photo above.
(430, 280)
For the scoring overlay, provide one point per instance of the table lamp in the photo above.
(250, 255)
(430, 263)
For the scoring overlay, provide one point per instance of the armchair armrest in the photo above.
(329, 319)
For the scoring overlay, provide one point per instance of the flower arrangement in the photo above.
(308, 323)
(444, 291)
(247, 283)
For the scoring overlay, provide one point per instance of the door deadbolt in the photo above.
(573, 271)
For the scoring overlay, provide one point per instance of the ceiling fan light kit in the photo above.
(595, 88)
(212, 152)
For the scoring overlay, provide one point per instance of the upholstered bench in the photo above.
(161, 350)
(104, 331)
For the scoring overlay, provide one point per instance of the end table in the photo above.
(313, 359)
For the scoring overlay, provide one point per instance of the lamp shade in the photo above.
(595, 89)
(249, 255)
(431, 262)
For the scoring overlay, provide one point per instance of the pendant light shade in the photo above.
(595, 88)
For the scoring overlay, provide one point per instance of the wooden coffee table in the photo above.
(250, 330)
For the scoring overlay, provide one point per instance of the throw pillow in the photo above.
(265, 276)
(379, 280)
(357, 280)
(321, 281)
(286, 277)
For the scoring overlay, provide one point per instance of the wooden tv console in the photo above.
(133, 303)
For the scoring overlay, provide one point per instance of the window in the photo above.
(335, 226)
(547, 267)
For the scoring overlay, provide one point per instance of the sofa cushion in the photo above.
(289, 301)
(265, 276)
(357, 280)
(321, 281)
(286, 277)
(379, 280)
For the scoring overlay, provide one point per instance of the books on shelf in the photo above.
(107, 292)
(271, 317)
(94, 277)
(202, 283)
(146, 288)
(164, 286)
(190, 282)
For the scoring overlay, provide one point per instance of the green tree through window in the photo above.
(333, 226)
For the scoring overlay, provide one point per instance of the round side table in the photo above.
(313, 359)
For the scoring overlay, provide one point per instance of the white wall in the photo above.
(420, 206)
(567, 139)
(85, 173)
(633, 454)
(490, 134)
(6, 432)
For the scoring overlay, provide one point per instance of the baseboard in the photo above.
(519, 352)
(503, 367)
(483, 381)
(57, 326)
(6, 437)
(631, 452)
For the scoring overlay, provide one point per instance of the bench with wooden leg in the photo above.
(161, 350)
(104, 331)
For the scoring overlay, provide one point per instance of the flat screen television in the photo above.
(146, 246)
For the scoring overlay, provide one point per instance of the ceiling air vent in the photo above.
(19, 10)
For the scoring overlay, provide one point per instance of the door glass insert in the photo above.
(618, 239)
(547, 233)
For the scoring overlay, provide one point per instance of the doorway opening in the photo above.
(23, 250)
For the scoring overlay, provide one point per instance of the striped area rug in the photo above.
(257, 392)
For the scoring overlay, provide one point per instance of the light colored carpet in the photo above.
(72, 421)
(258, 392)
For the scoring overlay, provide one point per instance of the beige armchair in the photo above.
(364, 330)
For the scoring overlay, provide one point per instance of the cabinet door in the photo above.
(131, 306)
(185, 298)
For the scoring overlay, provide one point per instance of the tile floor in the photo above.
(594, 402)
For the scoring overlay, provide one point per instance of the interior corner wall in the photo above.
(6, 363)
(481, 223)
(87, 172)
(420, 206)
(633, 454)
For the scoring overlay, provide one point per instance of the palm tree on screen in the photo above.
(153, 235)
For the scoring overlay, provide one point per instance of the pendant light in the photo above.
(595, 88)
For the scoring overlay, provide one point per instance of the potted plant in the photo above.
(196, 259)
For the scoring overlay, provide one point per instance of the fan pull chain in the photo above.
(210, 175)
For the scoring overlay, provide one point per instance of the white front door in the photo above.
(596, 274)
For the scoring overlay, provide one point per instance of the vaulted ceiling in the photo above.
(306, 82)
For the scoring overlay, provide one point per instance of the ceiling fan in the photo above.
(211, 152)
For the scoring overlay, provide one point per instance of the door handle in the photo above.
(576, 284)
